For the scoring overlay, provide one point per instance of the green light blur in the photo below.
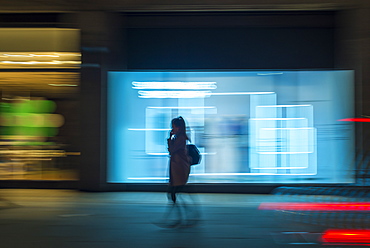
(28, 118)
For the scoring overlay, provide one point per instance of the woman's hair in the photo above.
(180, 123)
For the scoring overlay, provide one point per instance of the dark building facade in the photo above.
(157, 36)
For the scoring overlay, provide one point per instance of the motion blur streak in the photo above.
(346, 237)
(332, 206)
(356, 119)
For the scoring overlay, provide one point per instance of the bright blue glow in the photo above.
(283, 140)
(250, 126)
(175, 85)
(174, 94)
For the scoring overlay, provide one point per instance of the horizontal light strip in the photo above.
(40, 62)
(222, 174)
(276, 119)
(64, 85)
(181, 107)
(40, 55)
(29, 55)
(166, 153)
(149, 129)
(175, 85)
(284, 152)
(279, 168)
(251, 174)
(147, 178)
(322, 206)
(193, 94)
(283, 106)
(270, 74)
(173, 94)
(287, 128)
(240, 93)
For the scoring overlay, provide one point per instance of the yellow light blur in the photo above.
(40, 60)
(36, 154)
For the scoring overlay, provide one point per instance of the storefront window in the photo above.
(39, 80)
(265, 127)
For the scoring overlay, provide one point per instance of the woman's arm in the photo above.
(176, 144)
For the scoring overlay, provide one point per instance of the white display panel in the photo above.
(265, 127)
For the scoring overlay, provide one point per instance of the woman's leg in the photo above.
(173, 191)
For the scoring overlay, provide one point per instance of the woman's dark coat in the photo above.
(179, 160)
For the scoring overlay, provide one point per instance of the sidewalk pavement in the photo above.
(70, 219)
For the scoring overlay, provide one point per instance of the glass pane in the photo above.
(249, 126)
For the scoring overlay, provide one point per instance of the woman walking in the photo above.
(179, 159)
(179, 173)
(179, 170)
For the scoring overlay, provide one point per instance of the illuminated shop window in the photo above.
(39, 79)
(250, 126)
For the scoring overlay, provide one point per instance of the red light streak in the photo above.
(356, 119)
(322, 206)
(346, 237)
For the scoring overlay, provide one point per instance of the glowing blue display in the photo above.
(250, 126)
